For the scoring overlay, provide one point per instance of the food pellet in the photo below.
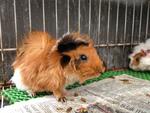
(83, 99)
(69, 110)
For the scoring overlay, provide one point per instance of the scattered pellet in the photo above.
(148, 95)
(82, 110)
(83, 99)
(76, 94)
(59, 108)
(125, 81)
(69, 109)
(112, 77)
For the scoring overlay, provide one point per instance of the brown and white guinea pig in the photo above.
(46, 64)
(140, 58)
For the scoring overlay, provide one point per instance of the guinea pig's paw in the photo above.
(31, 93)
(59, 94)
(62, 99)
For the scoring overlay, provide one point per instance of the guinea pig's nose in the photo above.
(103, 69)
(99, 69)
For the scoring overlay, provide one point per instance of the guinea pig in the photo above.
(46, 64)
(140, 58)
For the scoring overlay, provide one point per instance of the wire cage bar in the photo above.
(56, 18)
(133, 22)
(43, 8)
(114, 24)
(147, 22)
(140, 23)
(29, 8)
(79, 6)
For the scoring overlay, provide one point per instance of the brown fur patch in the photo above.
(41, 67)
(137, 57)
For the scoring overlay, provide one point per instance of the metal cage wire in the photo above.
(107, 44)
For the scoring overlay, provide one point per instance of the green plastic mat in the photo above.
(13, 95)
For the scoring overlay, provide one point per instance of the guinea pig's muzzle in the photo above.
(99, 69)
(103, 68)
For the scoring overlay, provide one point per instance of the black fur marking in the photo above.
(68, 44)
(77, 63)
(65, 60)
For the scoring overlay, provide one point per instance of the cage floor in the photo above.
(13, 95)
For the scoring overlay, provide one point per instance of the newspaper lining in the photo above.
(120, 94)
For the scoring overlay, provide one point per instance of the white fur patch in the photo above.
(144, 63)
(70, 79)
(142, 46)
(16, 79)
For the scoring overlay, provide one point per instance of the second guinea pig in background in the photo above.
(140, 57)
(46, 64)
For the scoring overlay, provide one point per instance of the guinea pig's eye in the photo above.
(83, 57)
(137, 59)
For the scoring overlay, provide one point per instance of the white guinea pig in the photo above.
(140, 57)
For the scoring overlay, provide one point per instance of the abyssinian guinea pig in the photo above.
(140, 58)
(46, 64)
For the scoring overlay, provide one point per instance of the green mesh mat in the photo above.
(13, 95)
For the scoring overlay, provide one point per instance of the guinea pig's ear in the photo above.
(64, 61)
(91, 43)
(69, 43)
(143, 53)
(136, 58)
